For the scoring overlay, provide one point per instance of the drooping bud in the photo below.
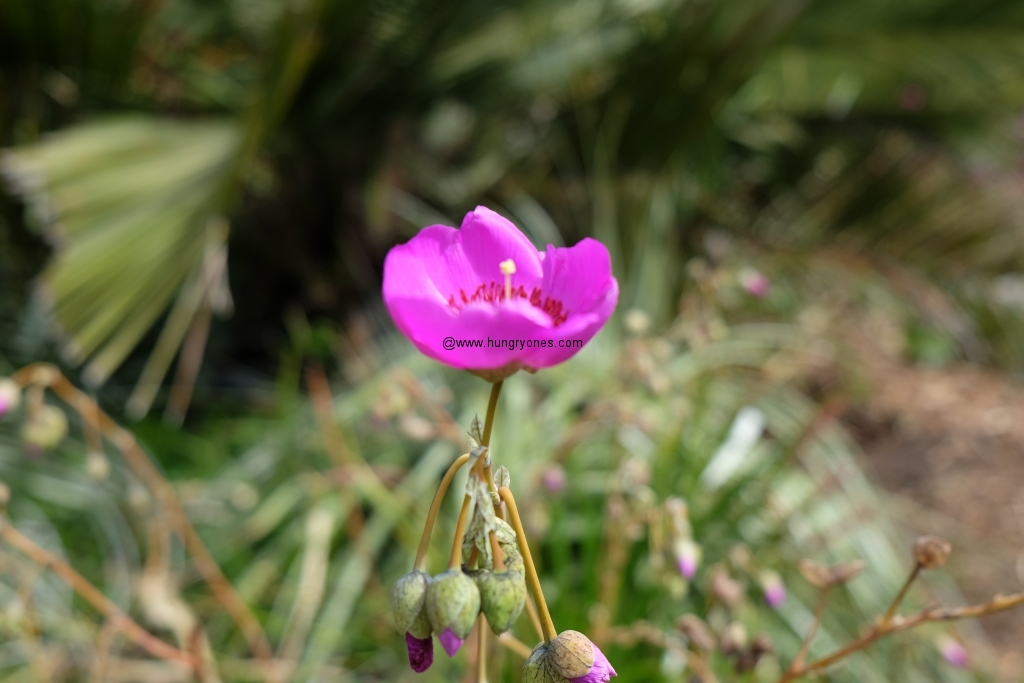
(820, 576)
(46, 428)
(953, 652)
(10, 396)
(687, 557)
(733, 638)
(725, 588)
(774, 589)
(696, 631)
(554, 478)
(502, 597)
(538, 668)
(574, 657)
(453, 603)
(408, 598)
(931, 552)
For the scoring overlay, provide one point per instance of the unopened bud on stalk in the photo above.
(931, 552)
(953, 652)
(538, 668)
(733, 638)
(408, 598)
(696, 631)
(820, 576)
(502, 597)
(97, 466)
(576, 658)
(453, 603)
(687, 557)
(10, 396)
(46, 428)
(774, 589)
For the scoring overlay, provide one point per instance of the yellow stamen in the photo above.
(508, 269)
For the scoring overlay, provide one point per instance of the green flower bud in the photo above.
(572, 654)
(514, 561)
(46, 428)
(408, 598)
(502, 598)
(453, 603)
(538, 668)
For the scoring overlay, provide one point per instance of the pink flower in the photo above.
(774, 589)
(421, 652)
(600, 672)
(755, 282)
(554, 478)
(483, 298)
(687, 558)
(954, 652)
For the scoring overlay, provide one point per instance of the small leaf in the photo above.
(502, 478)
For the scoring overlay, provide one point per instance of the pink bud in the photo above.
(554, 478)
(687, 557)
(754, 282)
(450, 642)
(954, 652)
(774, 589)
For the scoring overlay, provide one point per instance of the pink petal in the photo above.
(488, 239)
(601, 672)
(421, 652)
(450, 642)
(5, 405)
(688, 567)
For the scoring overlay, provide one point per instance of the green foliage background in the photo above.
(863, 155)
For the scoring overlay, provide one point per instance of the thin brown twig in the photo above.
(44, 374)
(999, 603)
(898, 600)
(93, 596)
(819, 611)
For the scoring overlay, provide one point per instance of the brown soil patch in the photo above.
(949, 444)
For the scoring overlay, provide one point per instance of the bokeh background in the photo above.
(814, 213)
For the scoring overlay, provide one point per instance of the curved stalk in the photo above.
(435, 506)
(532, 579)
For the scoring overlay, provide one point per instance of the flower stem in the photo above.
(516, 645)
(798, 663)
(492, 406)
(460, 531)
(497, 557)
(485, 439)
(899, 596)
(531, 570)
(435, 506)
(481, 649)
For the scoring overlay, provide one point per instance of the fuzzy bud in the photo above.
(687, 557)
(574, 657)
(10, 396)
(502, 598)
(733, 638)
(774, 589)
(408, 597)
(820, 576)
(696, 631)
(46, 428)
(453, 603)
(538, 668)
(931, 552)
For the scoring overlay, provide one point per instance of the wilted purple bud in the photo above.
(754, 282)
(554, 478)
(774, 589)
(421, 652)
(687, 557)
(954, 652)
(10, 396)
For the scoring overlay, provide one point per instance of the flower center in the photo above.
(494, 293)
